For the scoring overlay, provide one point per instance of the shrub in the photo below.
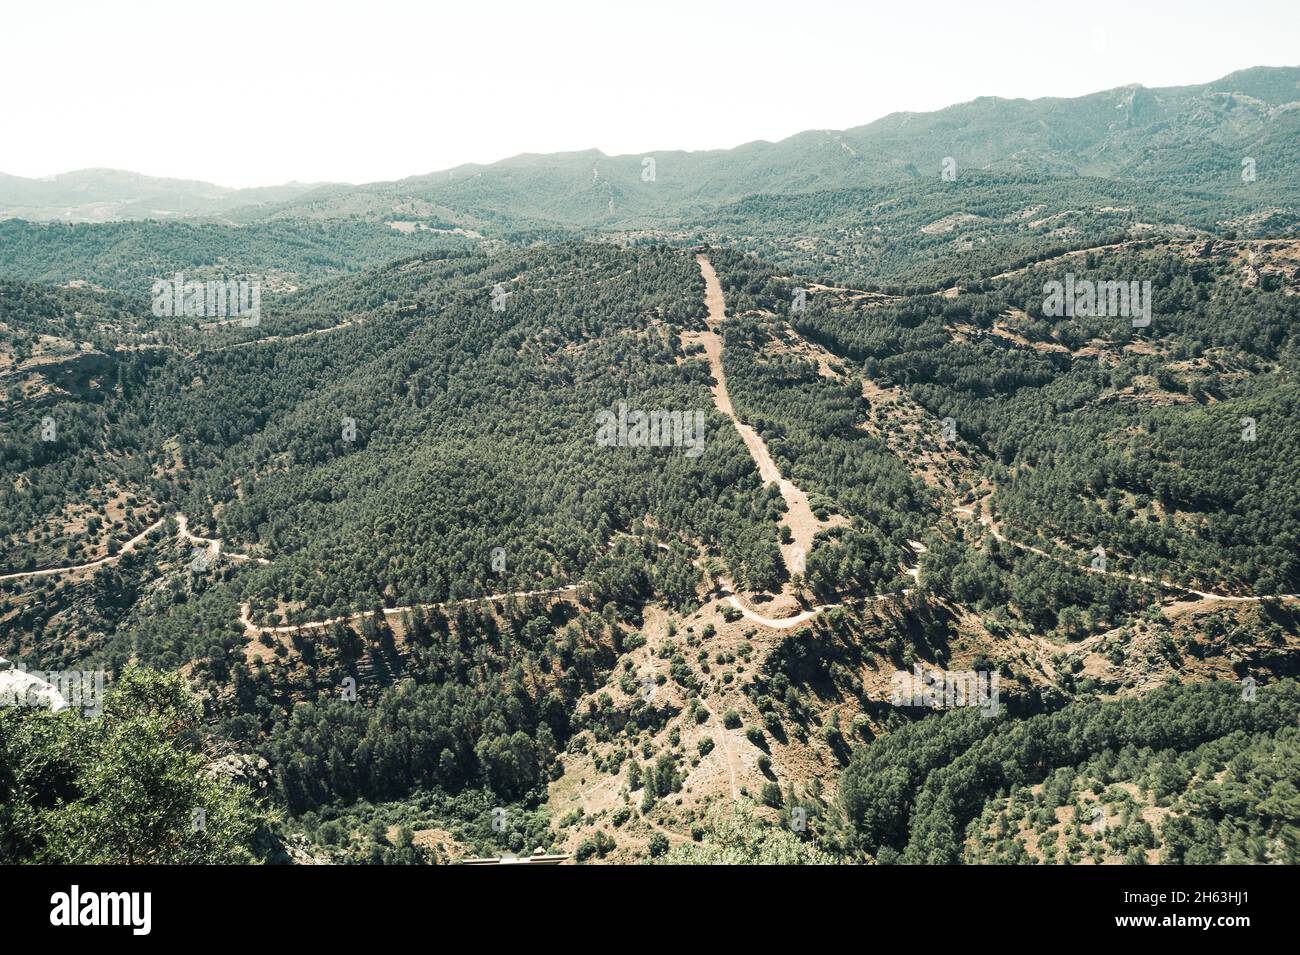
(598, 844)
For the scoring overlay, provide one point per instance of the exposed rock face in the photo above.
(269, 845)
(253, 771)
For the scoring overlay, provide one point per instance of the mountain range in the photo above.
(1190, 137)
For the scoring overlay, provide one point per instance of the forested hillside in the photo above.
(928, 235)
(130, 256)
(486, 537)
(1193, 774)
(1125, 404)
(472, 434)
(252, 440)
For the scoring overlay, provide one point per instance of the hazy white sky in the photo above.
(254, 93)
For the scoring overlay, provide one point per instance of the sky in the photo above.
(257, 93)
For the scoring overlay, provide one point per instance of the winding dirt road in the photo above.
(125, 549)
(182, 531)
(213, 544)
(254, 629)
(1163, 584)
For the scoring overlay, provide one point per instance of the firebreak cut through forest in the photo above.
(363, 586)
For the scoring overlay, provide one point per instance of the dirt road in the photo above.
(1001, 538)
(799, 518)
(126, 549)
(254, 629)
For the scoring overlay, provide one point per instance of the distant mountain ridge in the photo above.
(1187, 138)
(1190, 137)
(103, 195)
